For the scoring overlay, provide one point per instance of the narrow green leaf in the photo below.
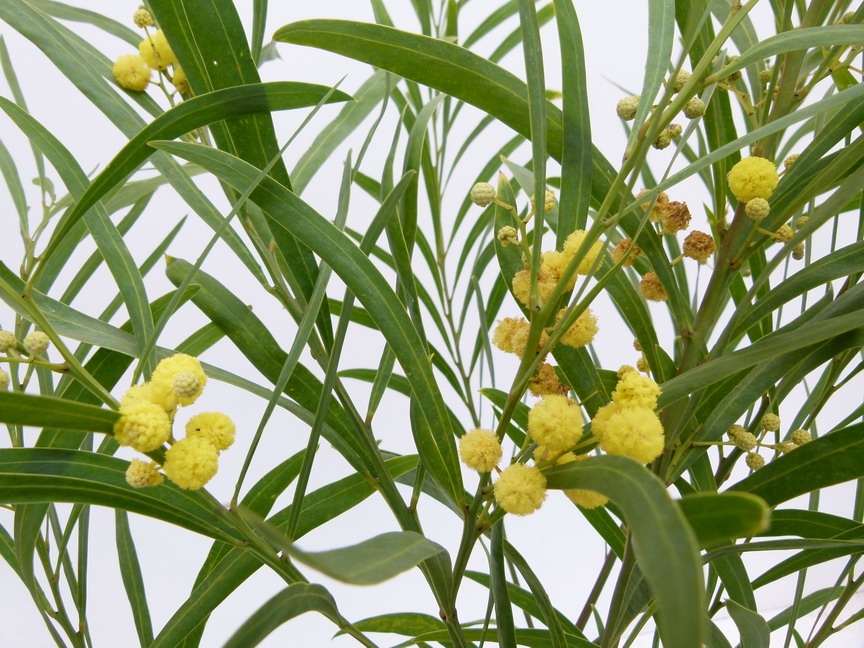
(76, 14)
(130, 572)
(663, 543)
(498, 587)
(407, 624)
(721, 517)
(752, 627)
(48, 411)
(292, 601)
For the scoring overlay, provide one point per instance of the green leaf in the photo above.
(663, 543)
(721, 517)
(52, 475)
(524, 637)
(407, 624)
(48, 411)
(498, 588)
(831, 459)
(365, 281)
(130, 572)
(752, 627)
(292, 601)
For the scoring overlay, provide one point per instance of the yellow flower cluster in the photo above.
(146, 416)
(133, 71)
(583, 330)
(511, 335)
(753, 177)
(555, 423)
(480, 450)
(520, 489)
(629, 425)
(545, 382)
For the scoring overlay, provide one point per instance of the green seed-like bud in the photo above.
(801, 221)
(770, 423)
(784, 234)
(143, 18)
(36, 343)
(627, 107)
(7, 341)
(694, 108)
(800, 437)
(754, 461)
(482, 194)
(789, 161)
(798, 252)
(4, 380)
(766, 75)
(681, 80)
(507, 236)
(735, 431)
(745, 441)
(757, 209)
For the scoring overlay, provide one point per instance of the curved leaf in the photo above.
(48, 411)
(721, 517)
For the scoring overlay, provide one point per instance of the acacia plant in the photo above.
(745, 310)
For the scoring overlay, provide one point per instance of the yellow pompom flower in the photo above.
(160, 394)
(555, 422)
(583, 330)
(635, 390)
(215, 427)
(179, 81)
(169, 369)
(587, 499)
(522, 285)
(144, 426)
(572, 245)
(520, 489)
(511, 335)
(132, 72)
(651, 289)
(753, 177)
(191, 463)
(156, 51)
(601, 419)
(553, 264)
(480, 450)
(660, 202)
(634, 432)
(141, 474)
(546, 382)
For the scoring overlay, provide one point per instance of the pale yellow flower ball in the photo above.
(555, 422)
(482, 194)
(600, 421)
(132, 72)
(583, 330)
(572, 244)
(800, 437)
(480, 450)
(171, 367)
(144, 426)
(191, 463)
(635, 390)
(156, 51)
(522, 285)
(553, 264)
(753, 177)
(511, 335)
(754, 461)
(36, 343)
(520, 489)
(651, 289)
(770, 423)
(215, 427)
(141, 474)
(634, 432)
(545, 382)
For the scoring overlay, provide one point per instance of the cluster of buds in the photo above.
(749, 443)
(34, 345)
(134, 71)
(146, 419)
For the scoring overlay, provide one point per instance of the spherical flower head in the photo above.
(520, 489)
(600, 422)
(191, 463)
(583, 330)
(627, 107)
(642, 365)
(171, 367)
(745, 441)
(480, 450)
(215, 427)
(784, 234)
(180, 82)
(651, 289)
(587, 499)
(144, 426)
(770, 423)
(674, 130)
(735, 431)
(156, 51)
(681, 80)
(549, 202)
(157, 393)
(798, 251)
(142, 18)
(482, 194)
(572, 244)
(789, 161)
(36, 343)
(624, 369)
(766, 74)
(699, 246)
(801, 221)
(753, 177)
(546, 382)
(511, 335)
(757, 209)
(141, 474)
(694, 108)
(187, 387)
(800, 437)
(663, 140)
(637, 345)
(675, 217)
(754, 461)
(508, 236)
(553, 264)
(555, 422)
(522, 285)
(628, 248)
(4, 380)
(7, 341)
(635, 390)
(735, 76)
(634, 432)
(660, 202)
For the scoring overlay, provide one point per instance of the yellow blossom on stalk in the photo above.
(555, 422)
(169, 370)
(634, 432)
(635, 390)
(215, 427)
(601, 419)
(623, 369)
(651, 289)
(520, 489)
(642, 365)
(144, 426)
(784, 234)
(554, 264)
(7, 341)
(699, 246)
(156, 51)
(625, 246)
(132, 72)
(587, 499)
(675, 217)
(626, 108)
(572, 244)
(582, 331)
(141, 474)
(511, 335)
(549, 202)
(179, 80)
(753, 177)
(789, 161)
(191, 463)
(480, 450)
(522, 285)
(770, 423)
(656, 213)
(143, 18)
(546, 382)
